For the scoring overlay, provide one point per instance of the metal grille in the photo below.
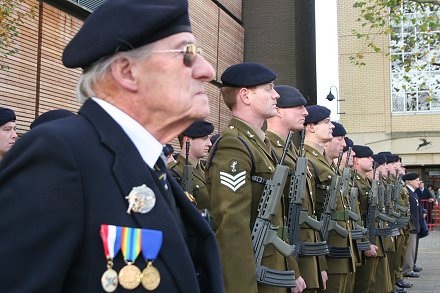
(90, 5)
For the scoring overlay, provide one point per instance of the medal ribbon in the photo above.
(151, 243)
(131, 243)
(111, 239)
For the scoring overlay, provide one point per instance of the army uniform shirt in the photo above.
(237, 167)
(310, 266)
(323, 173)
(200, 191)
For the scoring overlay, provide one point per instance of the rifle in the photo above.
(331, 201)
(359, 231)
(298, 215)
(187, 172)
(373, 213)
(345, 186)
(264, 232)
(403, 219)
(389, 208)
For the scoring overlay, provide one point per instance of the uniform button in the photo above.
(329, 176)
(231, 127)
(270, 168)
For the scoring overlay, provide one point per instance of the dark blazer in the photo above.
(415, 209)
(64, 179)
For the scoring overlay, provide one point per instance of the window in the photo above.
(415, 59)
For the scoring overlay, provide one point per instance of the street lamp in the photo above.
(331, 97)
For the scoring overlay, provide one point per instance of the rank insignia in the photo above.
(250, 134)
(234, 182)
(233, 165)
(278, 143)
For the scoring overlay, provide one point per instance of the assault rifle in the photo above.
(383, 216)
(359, 231)
(345, 187)
(373, 212)
(187, 172)
(264, 232)
(403, 219)
(389, 207)
(331, 201)
(298, 215)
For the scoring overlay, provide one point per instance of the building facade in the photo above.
(376, 113)
(228, 31)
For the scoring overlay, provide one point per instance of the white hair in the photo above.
(99, 68)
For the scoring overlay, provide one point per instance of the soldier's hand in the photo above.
(324, 278)
(372, 251)
(300, 285)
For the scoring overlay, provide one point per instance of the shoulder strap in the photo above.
(215, 146)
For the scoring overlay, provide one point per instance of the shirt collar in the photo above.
(147, 145)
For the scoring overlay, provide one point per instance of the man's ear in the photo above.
(310, 128)
(124, 74)
(243, 95)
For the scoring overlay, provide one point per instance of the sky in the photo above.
(327, 53)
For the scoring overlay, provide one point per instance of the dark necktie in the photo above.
(160, 171)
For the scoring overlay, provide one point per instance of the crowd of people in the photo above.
(95, 201)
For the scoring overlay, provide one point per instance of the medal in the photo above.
(130, 275)
(150, 277)
(110, 236)
(151, 244)
(141, 199)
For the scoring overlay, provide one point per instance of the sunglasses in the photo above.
(190, 52)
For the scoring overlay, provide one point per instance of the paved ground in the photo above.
(429, 259)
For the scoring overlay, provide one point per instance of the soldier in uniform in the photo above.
(7, 130)
(402, 239)
(239, 164)
(75, 190)
(198, 136)
(319, 133)
(291, 113)
(383, 284)
(363, 163)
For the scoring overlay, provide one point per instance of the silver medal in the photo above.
(141, 199)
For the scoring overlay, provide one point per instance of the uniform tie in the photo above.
(161, 171)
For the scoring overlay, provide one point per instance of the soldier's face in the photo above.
(200, 147)
(334, 147)
(7, 137)
(263, 100)
(294, 117)
(365, 164)
(324, 130)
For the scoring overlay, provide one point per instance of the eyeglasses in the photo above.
(190, 52)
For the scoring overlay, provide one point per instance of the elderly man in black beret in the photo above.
(88, 198)
(7, 130)
(239, 164)
(197, 136)
(412, 183)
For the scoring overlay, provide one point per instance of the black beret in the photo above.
(380, 159)
(392, 158)
(247, 74)
(6, 115)
(168, 150)
(289, 97)
(339, 130)
(199, 128)
(122, 25)
(410, 176)
(348, 144)
(316, 113)
(51, 115)
(362, 151)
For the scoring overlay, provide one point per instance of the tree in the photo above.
(413, 28)
(12, 16)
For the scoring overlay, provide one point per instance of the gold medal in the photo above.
(130, 277)
(150, 277)
(109, 280)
